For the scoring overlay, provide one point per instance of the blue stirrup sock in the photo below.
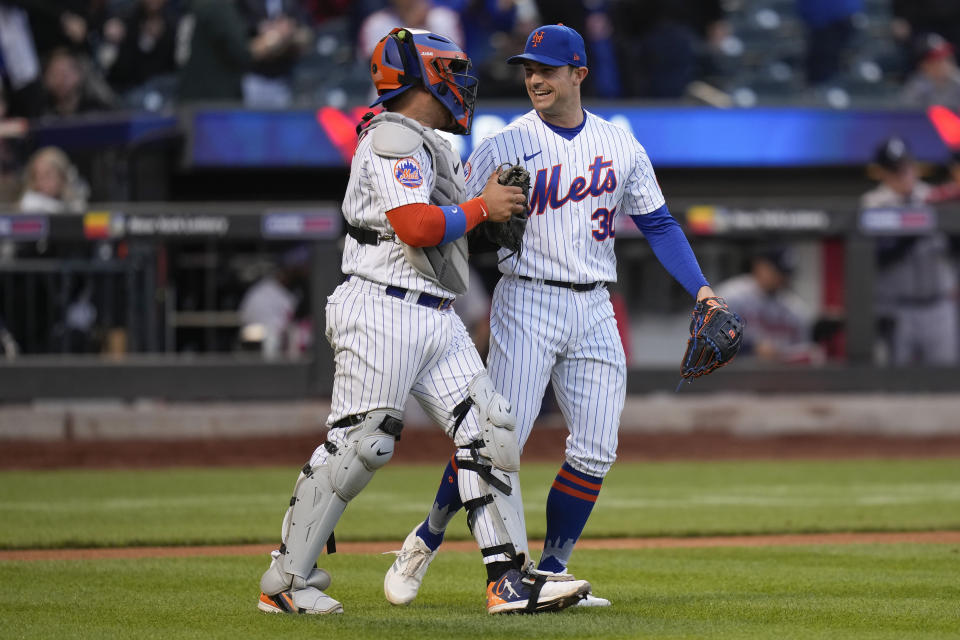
(569, 503)
(445, 506)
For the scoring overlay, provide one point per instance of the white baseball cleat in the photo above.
(310, 601)
(404, 576)
(593, 601)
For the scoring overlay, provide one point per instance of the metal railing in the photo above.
(165, 324)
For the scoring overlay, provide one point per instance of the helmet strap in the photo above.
(365, 121)
(408, 50)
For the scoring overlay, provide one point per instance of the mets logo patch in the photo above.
(467, 170)
(407, 172)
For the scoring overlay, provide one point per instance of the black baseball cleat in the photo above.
(518, 592)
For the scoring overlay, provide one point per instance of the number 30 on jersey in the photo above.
(605, 221)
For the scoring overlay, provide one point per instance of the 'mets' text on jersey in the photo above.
(579, 188)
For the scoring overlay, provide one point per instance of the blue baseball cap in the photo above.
(554, 45)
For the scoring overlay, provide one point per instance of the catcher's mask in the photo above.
(407, 58)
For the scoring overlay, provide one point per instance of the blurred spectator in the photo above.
(271, 307)
(63, 23)
(592, 19)
(217, 51)
(268, 84)
(19, 64)
(495, 37)
(779, 324)
(8, 345)
(140, 44)
(422, 14)
(52, 185)
(320, 11)
(77, 330)
(830, 29)
(12, 133)
(605, 72)
(912, 19)
(68, 89)
(660, 43)
(937, 78)
(916, 284)
(485, 21)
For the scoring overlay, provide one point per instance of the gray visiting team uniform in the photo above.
(916, 288)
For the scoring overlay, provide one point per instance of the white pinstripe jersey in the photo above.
(579, 187)
(376, 185)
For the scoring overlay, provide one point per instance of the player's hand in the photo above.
(705, 292)
(502, 201)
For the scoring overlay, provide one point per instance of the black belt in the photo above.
(363, 236)
(424, 299)
(575, 286)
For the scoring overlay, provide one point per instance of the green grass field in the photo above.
(849, 591)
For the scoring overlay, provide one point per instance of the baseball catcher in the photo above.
(715, 337)
(492, 236)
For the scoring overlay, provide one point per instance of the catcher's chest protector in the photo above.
(397, 136)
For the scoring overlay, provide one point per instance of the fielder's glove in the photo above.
(715, 337)
(492, 236)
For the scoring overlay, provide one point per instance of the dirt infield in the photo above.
(431, 445)
(918, 537)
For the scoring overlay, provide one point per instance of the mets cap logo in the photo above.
(537, 38)
(407, 172)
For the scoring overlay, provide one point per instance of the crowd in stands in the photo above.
(61, 58)
(74, 56)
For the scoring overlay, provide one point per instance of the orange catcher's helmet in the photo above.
(407, 58)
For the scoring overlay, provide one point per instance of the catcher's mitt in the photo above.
(715, 337)
(491, 236)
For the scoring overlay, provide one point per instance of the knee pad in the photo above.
(322, 492)
(497, 424)
(362, 449)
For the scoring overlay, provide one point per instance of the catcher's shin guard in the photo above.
(323, 491)
(497, 438)
(494, 508)
(275, 580)
(487, 462)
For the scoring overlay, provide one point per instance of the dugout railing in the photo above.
(136, 259)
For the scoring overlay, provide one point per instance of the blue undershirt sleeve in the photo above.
(671, 247)
(456, 225)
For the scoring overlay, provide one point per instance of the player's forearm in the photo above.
(427, 225)
(670, 245)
